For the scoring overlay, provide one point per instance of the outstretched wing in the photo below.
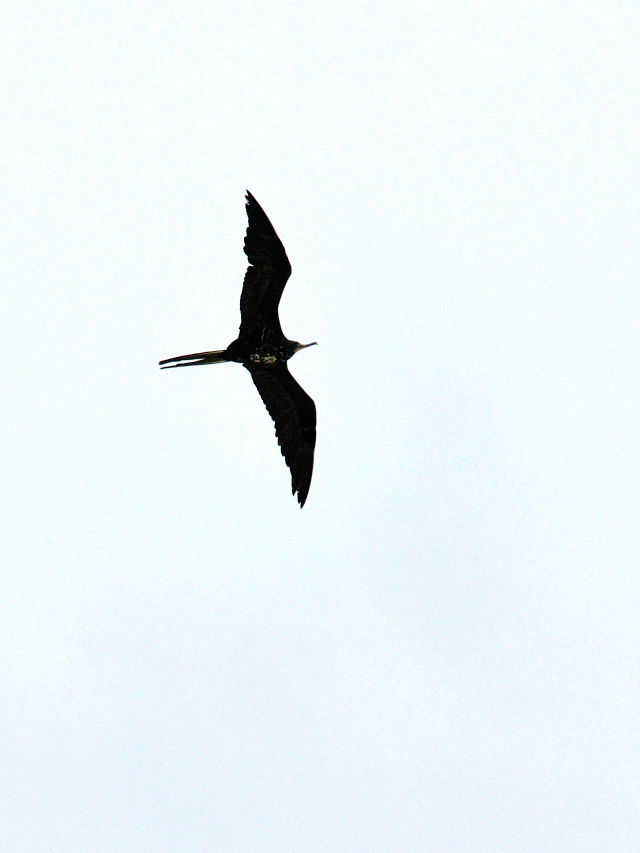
(294, 414)
(266, 275)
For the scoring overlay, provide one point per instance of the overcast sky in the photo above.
(441, 651)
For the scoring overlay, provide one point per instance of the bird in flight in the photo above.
(263, 349)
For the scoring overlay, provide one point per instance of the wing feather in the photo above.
(268, 272)
(294, 415)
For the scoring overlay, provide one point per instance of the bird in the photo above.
(262, 348)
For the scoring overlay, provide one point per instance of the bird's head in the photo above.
(304, 346)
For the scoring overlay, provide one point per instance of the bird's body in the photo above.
(264, 350)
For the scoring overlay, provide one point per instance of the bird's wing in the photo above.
(294, 415)
(266, 275)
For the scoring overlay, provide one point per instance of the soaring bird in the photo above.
(263, 349)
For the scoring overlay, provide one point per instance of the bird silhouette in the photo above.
(263, 349)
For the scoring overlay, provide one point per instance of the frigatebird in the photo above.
(263, 349)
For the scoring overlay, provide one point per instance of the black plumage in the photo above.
(263, 349)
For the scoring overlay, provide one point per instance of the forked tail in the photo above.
(213, 357)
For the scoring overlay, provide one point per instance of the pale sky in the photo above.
(441, 651)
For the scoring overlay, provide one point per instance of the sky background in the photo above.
(441, 651)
